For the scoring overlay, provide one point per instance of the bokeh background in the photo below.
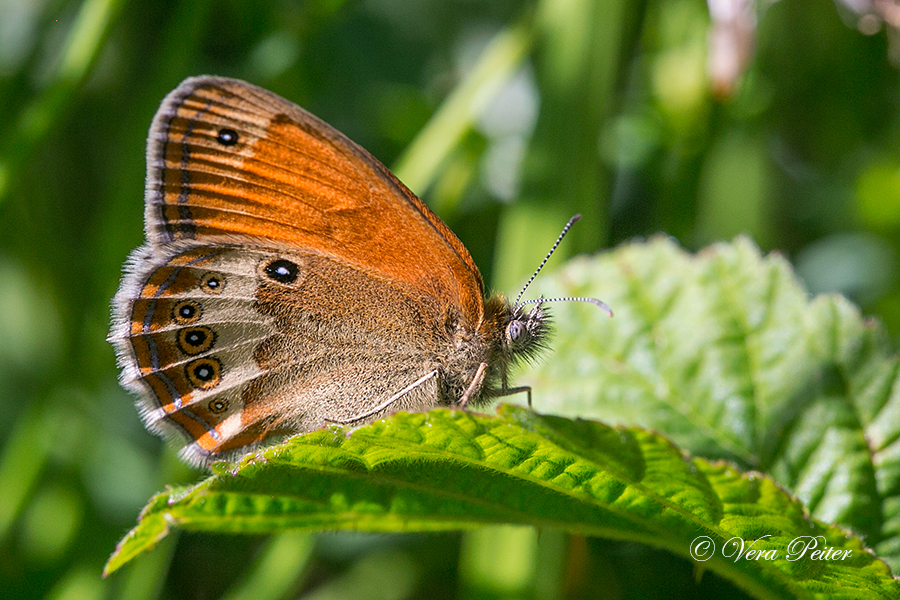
(779, 120)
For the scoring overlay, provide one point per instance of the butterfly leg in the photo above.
(476, 383)
(517, 390)
(387, 402)
(508, 391)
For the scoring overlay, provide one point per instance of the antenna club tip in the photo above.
(575, 218)
(600, 303)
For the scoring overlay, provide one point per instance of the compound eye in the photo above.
(516, 331)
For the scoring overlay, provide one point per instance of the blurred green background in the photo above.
(507, 117)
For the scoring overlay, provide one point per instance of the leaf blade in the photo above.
(451, 470)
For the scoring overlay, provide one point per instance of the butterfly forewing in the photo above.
(230, 160)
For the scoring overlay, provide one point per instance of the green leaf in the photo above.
(726, 353)
(450, 469)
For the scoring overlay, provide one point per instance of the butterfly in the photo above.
(289, 281)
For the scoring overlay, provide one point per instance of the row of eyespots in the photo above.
(202, 373)
(280, 270)
(192, 340)
(205, 373)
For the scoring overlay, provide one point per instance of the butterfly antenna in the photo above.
(565, 230)
(593, 301)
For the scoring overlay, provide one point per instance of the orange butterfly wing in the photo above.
(229, 161)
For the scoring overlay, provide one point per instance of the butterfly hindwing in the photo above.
(231, 346)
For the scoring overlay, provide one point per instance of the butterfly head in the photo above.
(526, 331)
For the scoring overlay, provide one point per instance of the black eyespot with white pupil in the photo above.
(227, 137)
(218, 405)
(204, 373)
(186, 312)
(212, 283)
(196, 337)
(195, 340)
(282, 271)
